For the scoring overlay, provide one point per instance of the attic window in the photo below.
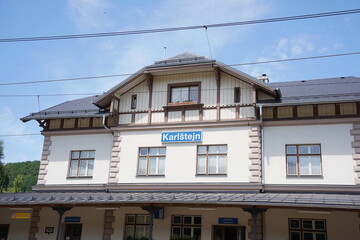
(184, 93)
(133, 101)
(237, 92)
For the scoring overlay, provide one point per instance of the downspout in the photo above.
(103, 123)
(112, 137)
(262, 165)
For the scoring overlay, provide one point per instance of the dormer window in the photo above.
(184, 93)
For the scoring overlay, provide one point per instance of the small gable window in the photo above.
(133, 101)
(237, 94)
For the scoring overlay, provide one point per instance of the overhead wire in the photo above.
(173, 29)
(225, 65)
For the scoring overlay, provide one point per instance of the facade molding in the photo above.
(109, 219)
(35, 219)
(323, 121)
(255, 155)
(115, 158)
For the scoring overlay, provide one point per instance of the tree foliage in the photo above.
(29, 170)
(4, 176)
(18, 183)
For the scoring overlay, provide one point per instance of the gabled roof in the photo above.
(83, 107)
(327, 90)
(181, 60)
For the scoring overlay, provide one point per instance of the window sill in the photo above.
(79, 177)
(154, 175)
(304, 176)
(211, 175)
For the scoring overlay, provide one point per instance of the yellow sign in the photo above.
(19, 215)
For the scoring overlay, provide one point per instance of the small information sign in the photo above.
(72, 219)
(228, 221)
(20, 215)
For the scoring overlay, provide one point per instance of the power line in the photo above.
(229, 65)
(173, 29)
(19, 135)
(48, 95)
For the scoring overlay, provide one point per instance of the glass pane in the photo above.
(187, 220)
(83, 168)
(75, 155)
(90, 168)
(315, 149)
(294, 235)
(291, 149)
(84, 154)
(304, 165)
(320, 236)
(194, 93)
(130, 219)
(175, 95)
(92, 154)
(141, 219)
(222, 164)
(73, 168)
(223, 149)
(212, 168)
(129, 230)
(162, 151)
(143, 151)
(176, 232)
(320, 225)
(315, 165)
(308, 236)
(161, 166)
(214, 149)
(184, 94)
(142, 166)
(197, 233)
(201, 149)
(197, 220)
(176, 219)
(140, 231)
(307, 224)
(291, 165)
(201, 168)
(186, 232)
(295, 223)
(152, 165)
(304, 149)
(154, 151)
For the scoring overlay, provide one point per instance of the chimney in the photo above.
(264, 78)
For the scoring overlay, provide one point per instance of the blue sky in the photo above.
(43, 60)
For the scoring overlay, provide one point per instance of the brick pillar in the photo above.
(35, 219)
(109, 218)
(255, 223)
(44, 161)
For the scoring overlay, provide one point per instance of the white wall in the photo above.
(180, 165)
(19, 228)
(336, 152)
(340, 225)
(59, 157)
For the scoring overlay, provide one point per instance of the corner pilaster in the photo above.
(44, 161)
(108, 224)
(115, 158)
(35, 219)
(355, 132)
(255, 155)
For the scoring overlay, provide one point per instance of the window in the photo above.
(185, 227)
(212, 159)
(82, 163)
(133, 101)
(307, 229)
(137, 226)
(303, 160)
(237, 94)
(151, 161)
(180, 93)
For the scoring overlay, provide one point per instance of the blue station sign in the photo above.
(72, 219)
(227, 221)
(174, 137)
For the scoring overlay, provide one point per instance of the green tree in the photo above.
(18, 183)
(28, 169)
(4, 176)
